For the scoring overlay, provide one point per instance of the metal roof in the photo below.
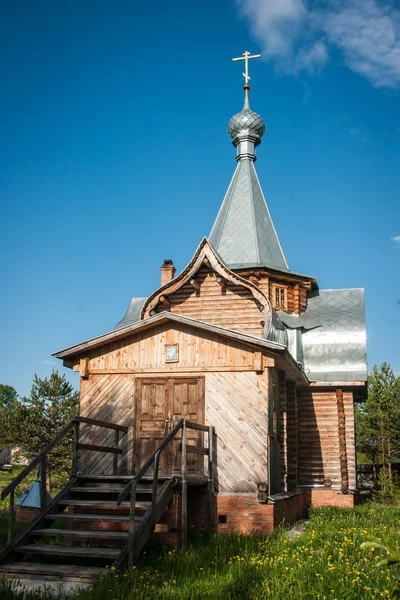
(334, 337)
(132, 314)
(31, 497)
(244, 234)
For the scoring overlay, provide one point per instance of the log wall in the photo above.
(295, 291)
(318, 438)
(228, 305)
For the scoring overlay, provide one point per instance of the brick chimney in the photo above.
(167, 271)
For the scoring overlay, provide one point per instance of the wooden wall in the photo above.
(236, 397)
(145, 352)
(296, 292)
(237, 406)
(318, 438)
(231, 306)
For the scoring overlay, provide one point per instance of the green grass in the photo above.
(325, 562)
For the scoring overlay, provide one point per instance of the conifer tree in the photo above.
(378, 420)
(51, 405)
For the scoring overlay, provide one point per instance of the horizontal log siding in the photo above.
(291, 434)
(350, 439)
(237, 406)
(231, 306)
(296, 294)
(318, 438)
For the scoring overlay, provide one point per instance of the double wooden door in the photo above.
(160, 404)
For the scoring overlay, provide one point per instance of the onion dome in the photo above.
(246, 129)
(247, 122)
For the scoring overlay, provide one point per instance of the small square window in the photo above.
(172, 353)
(222, 519)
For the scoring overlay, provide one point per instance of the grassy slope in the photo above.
(325, 562)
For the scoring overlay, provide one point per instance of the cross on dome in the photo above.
(246, 57)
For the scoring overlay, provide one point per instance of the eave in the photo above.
(165, 317)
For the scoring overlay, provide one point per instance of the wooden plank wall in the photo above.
(237, 406)
(230, 306)
(146, 352)
(107, 398)
(318, 438)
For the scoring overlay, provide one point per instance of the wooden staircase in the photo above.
(97, 520)
(84, 530)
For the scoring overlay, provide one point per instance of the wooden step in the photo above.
(83, 533)
(140, 489)
(103, 503)
(46, 572)
(80, 551)
(125, 478)
(84, 517)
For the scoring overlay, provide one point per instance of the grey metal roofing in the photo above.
(132, 314)
(246, 122)
(333, 335)
(244, 234)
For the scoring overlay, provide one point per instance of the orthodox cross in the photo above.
(246, 57)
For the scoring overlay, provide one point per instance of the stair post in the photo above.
(184, 490)
(43, 483)
(210, 482)
(132, 524)
(10, 519)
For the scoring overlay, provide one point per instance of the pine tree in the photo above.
(51, 405)
(380, 422)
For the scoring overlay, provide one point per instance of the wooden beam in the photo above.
(344, 473)
(84, 368)
(195, 284)
(268, 362)
(99, 448)
(165, 300)
(196, 450)
(222, 282)
(258, 362)
(106, 424)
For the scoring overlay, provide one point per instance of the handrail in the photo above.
(123, 428)
(35, 461)
(131, 486)
(136, 478)
(59, 437)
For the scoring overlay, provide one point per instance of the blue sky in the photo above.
(115, 154)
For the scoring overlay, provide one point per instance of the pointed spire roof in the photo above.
(244, 234)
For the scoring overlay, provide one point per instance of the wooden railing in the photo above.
(41, 461)
(154, 459)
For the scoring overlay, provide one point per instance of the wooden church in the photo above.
(232, 385)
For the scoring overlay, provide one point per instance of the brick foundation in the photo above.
(243, 513)
(321, 497)
(240, 513)
(25, 514)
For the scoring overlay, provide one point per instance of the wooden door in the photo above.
(160, 404)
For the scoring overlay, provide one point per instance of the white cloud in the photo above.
(298, 34)
(396, 240)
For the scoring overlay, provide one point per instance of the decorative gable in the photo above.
(208, 291)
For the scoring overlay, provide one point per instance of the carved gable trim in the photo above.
(206, 255)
